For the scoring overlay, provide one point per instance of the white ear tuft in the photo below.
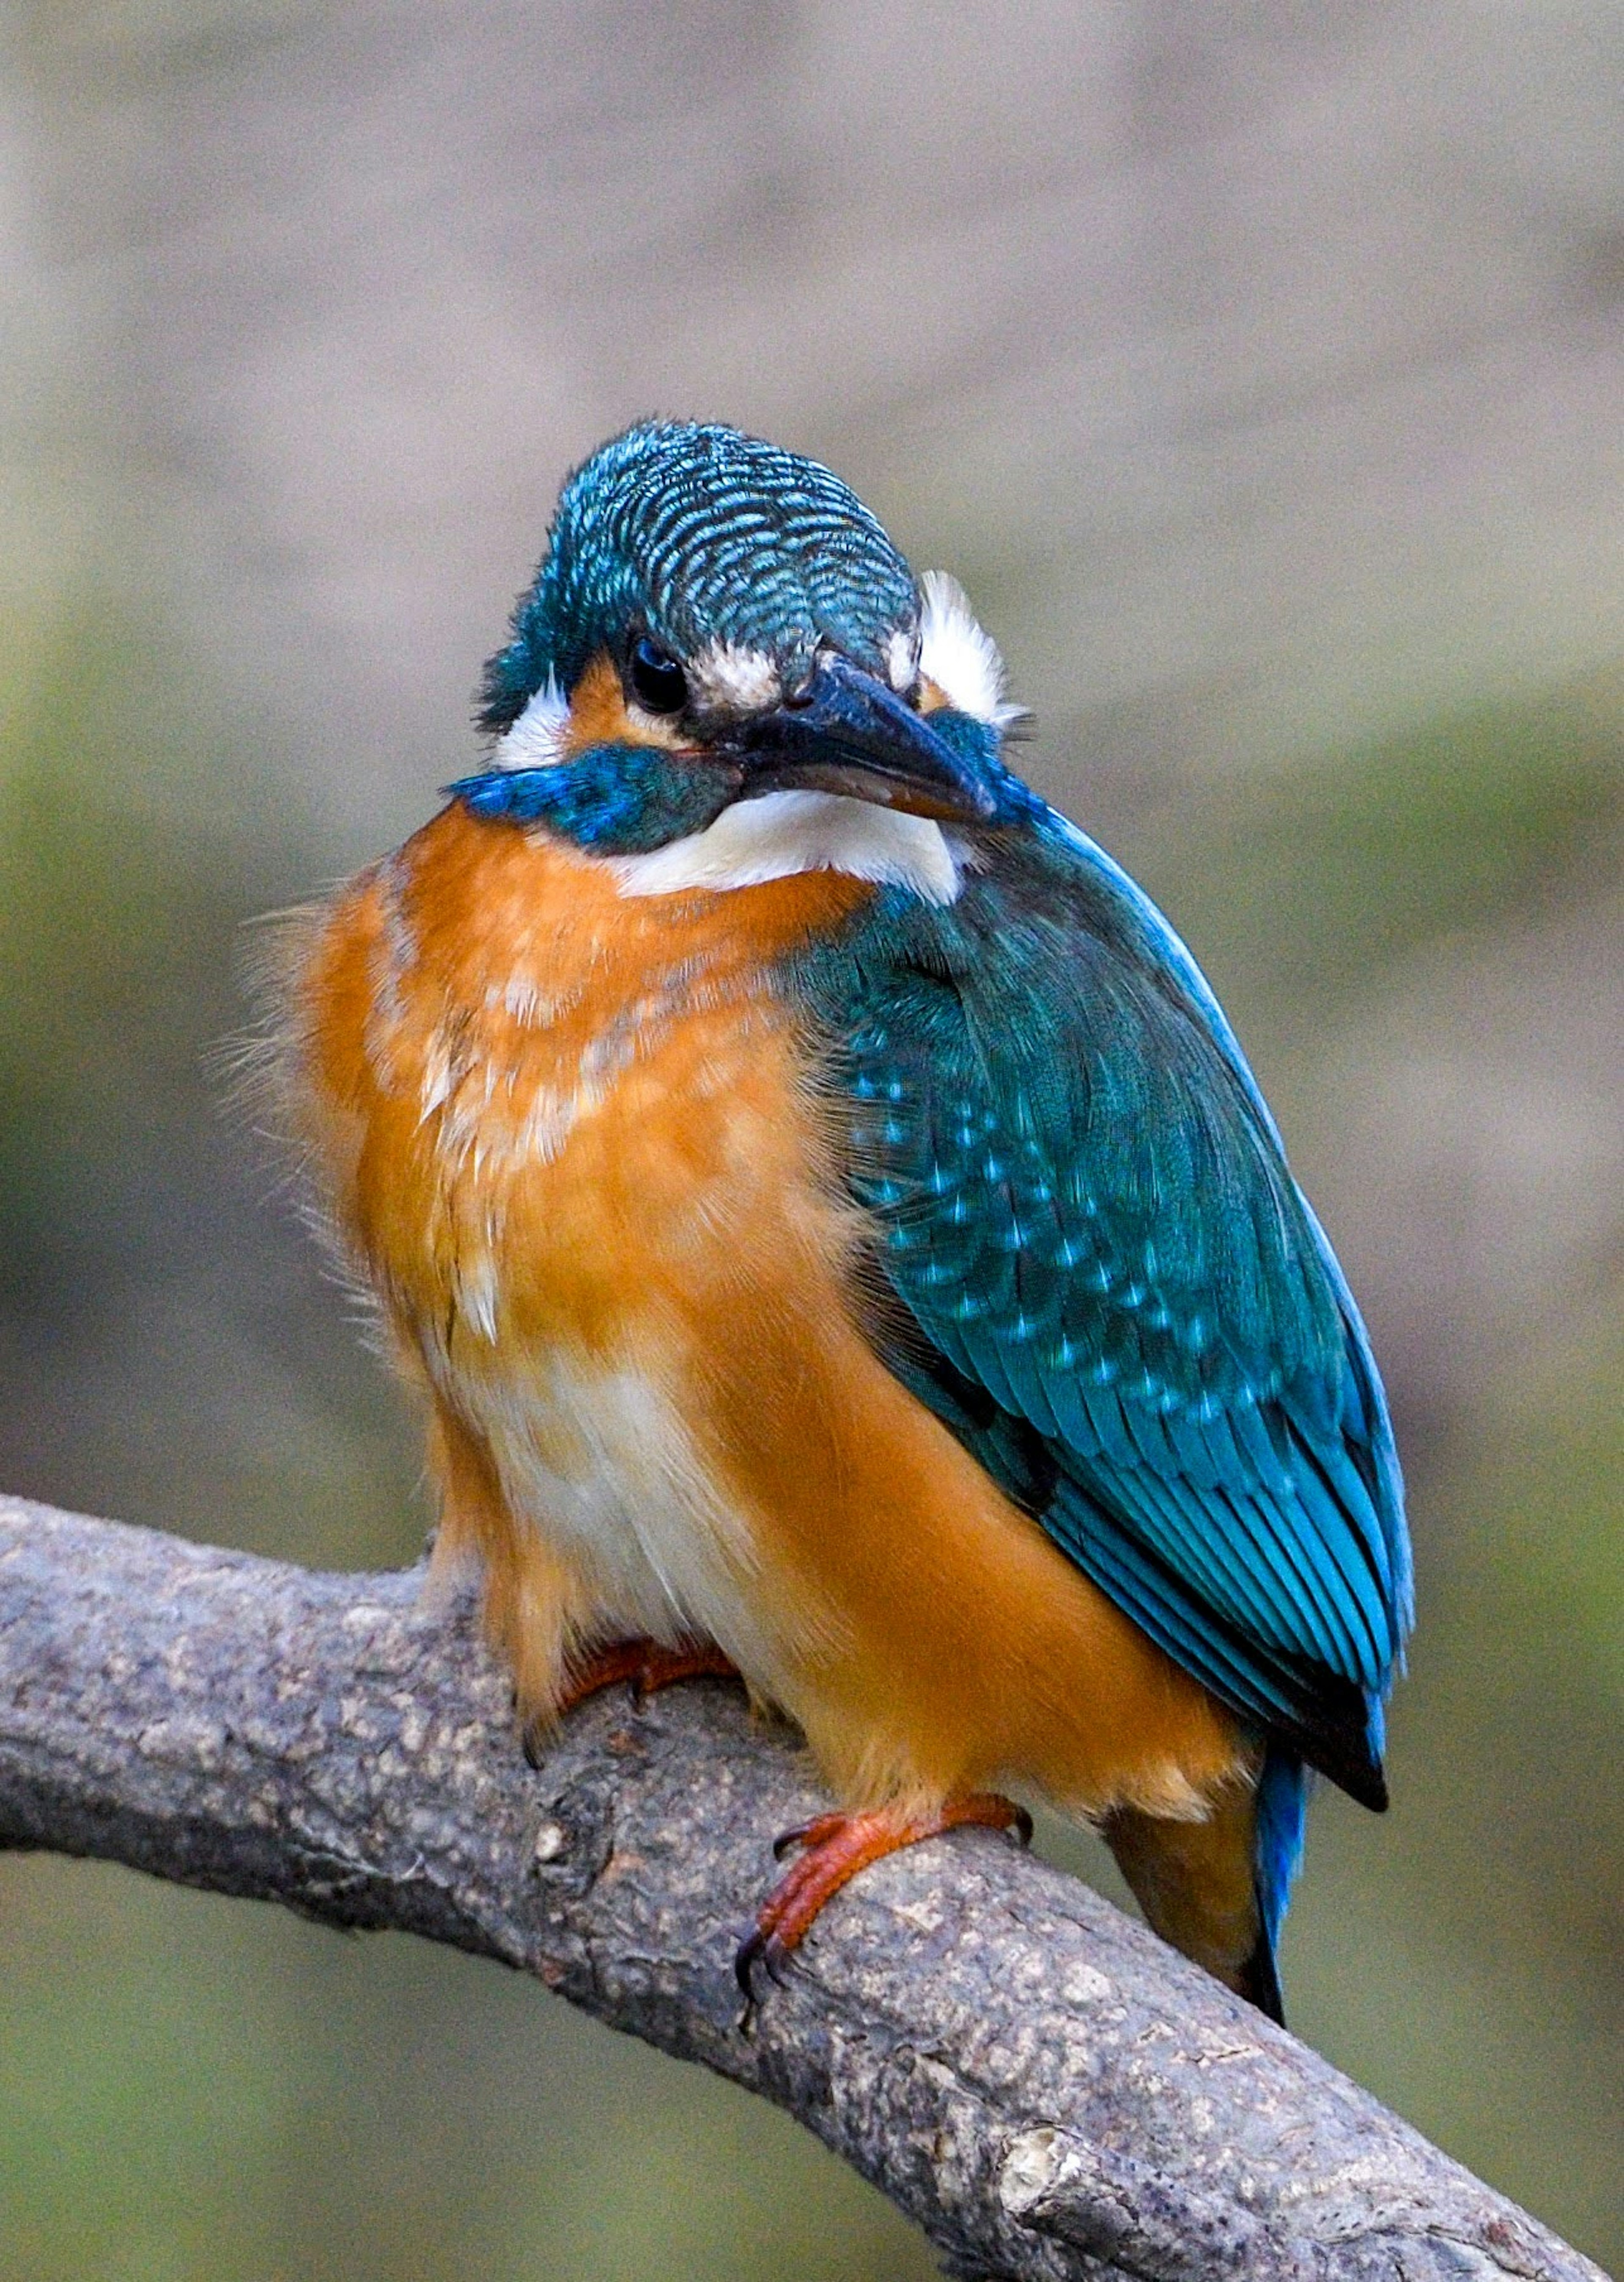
(959, 655)
(536, 739)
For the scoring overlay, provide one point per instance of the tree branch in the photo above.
(1042, 2086)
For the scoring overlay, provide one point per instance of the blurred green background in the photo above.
(1258, 370)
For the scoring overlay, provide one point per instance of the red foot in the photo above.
(837, 1847)
(648, 1666)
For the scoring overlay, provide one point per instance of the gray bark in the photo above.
(1044, 2087)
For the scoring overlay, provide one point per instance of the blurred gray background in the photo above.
(1257, 368)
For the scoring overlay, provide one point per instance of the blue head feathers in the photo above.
(694, 535)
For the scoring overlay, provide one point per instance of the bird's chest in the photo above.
(591, 1151)
(608, 1152)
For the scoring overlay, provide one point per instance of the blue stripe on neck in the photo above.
(617, 800)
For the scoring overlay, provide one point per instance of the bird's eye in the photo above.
(658, 682)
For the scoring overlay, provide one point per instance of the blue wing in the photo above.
(1112, 1290)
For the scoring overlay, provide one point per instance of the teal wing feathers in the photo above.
(1112, 1291)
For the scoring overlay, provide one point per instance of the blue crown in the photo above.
(693, 533)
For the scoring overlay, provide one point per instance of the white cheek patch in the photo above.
(959, 655)
(784, 833)
(536, 739)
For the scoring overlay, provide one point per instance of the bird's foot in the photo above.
(835, 1848)
(647, 1664)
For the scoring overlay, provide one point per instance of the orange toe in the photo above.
(645, 1664)
(648, 1666)
(836, 1848)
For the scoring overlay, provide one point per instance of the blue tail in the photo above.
(1281, 1810)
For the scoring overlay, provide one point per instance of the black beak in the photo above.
(846, 732)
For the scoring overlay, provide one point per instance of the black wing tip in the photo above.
(1332, 1733)
(1350, 1768)
(1375, 1793)
(1348, 1761)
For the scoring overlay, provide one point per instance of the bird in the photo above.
(833, 1231)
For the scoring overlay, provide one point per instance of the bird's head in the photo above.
(724, 671)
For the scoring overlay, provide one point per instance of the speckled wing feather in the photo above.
(1113, 1293)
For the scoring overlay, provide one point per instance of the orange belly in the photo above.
(572, 1142)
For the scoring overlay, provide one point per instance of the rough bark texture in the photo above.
(1045, 2087)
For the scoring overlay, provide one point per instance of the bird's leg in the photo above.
(835, 1848)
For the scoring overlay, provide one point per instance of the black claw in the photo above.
(785, 1839)
(1022, 1827)
(757, 1949)
(533, 1752)
(746, 1958)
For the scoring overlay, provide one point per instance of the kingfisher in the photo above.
(832, 1228)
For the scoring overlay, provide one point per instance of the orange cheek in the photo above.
(932, 697)
(598, 714)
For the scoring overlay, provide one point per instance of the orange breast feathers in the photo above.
(574, 1143)
(566, 1140)
(536, 1098)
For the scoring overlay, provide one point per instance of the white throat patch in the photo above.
(959, 655)
(783, 832)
